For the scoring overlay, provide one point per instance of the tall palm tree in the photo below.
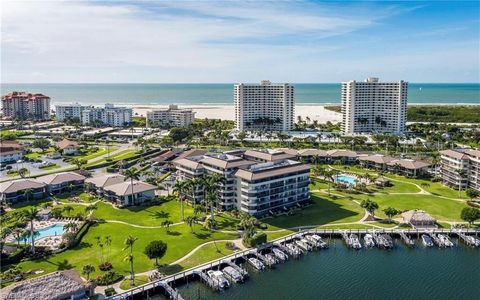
(32, 215)
(90, 208)
(131, 174)
(71, 226)
(27, 193)
(193, 184)
(87, 270)
(129, 242)
(190, 220)
(17, 234)
(180, 188)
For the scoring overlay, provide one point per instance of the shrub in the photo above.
(108, 278)
(255, 240)
(106, 266)
(110, 291)
(230, 245)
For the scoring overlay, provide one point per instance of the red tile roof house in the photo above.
(68, 147)
(63, 182)
(17, 190)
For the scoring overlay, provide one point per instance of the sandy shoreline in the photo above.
(227, 112)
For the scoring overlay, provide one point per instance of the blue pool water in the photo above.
(54, 230)
(345, 179)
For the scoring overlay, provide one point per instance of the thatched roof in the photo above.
(417, 216)
(58, 285)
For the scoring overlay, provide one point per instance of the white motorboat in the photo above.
(279, 254)
(233, 274)
(270, 259)
(445, 240)
(368, 240)
(354, 241)
(319, 241)
(294, 250)
(219, 278)
(303, 244)
(427, 240)
(257, 264)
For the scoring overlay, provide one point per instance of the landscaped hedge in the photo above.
(81, 233)
(257, 239)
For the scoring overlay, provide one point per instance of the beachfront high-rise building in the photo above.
(264, 106)
(108, 115)
(374, 107)
(26, 106)
(70, 111)
(170, 117)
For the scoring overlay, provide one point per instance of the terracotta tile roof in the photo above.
(342, 153)
(20, 185)
(226, 164)
(104, 180)
(453, 154)
(313, 152)
(409, 163)
(125, 188)
(377, 158)
(268, 156)
(64, 144)
(62, 177)
(473, 152)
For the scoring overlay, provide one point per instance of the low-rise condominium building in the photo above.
(170, 117)
(460, 168)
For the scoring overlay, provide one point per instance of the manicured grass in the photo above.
(350, 226)
(180, 241)
(203, 255)
(324, 210)
(139, 280)
(51, 167)
(100, 152)
(278, 234)
(33, 155)
(125, 154)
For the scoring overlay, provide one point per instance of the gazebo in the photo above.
(419, 218)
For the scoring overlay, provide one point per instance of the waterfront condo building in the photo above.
(26, 106)
(460, 168)
(264, 106)
(170, 117)
(72, 111)
(108, 115)
(374, 107)
(250, 186)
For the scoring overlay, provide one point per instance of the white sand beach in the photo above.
(227, 112)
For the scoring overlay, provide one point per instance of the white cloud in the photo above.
(175, 41)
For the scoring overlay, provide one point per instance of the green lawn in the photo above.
(92, 155)
(203, 255)
(180, 241)
(33, 155)
(124, 154)
(324, 210)
(139, 280)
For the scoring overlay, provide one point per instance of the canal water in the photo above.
(342, 273)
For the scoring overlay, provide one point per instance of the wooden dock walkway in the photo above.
(463, 234)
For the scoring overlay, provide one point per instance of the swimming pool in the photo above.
(345, 179)
(54, 230)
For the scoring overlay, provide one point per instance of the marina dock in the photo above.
(167, 284)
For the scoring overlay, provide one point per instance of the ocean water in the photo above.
(341, 273)
(222, 94)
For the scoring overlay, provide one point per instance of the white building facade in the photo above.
(264, 106)
(171, 117)
(374, 107)
(70, 111)
(460, 168)
(109, 115)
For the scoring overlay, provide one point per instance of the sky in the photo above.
(238, 41)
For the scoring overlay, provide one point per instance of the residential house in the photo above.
(62, 182)
(129, 192)
(98, 183)
(68, 147)
(375, 161)
(22, 190)
(10, 151)
(408, 167)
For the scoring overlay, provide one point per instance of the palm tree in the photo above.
(68, 209)
(193, 184)
(32, 215)
(131, 174)
(17, 234)
(27, 193)
(461, 174)
(129, 242)
(108, 243)
(166, 224)
(87, 270)
(23, 172)
(369, 206)
(70, 226)
(180, 188)
(190, 220)
(90, 208)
